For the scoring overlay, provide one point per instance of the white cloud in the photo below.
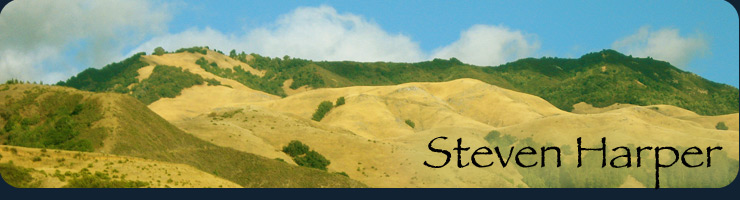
(664, 44)
(489, 46)
(321, 33)
(39, 36)
(317, 33)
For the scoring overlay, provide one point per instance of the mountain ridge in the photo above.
(599, 78)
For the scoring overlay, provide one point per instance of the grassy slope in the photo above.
(58, 168)
(142, 133)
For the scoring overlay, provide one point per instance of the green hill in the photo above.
(600, 78)
(64, 118)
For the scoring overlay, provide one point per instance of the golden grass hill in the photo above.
(197, 117)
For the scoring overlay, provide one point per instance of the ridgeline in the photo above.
(600, 78)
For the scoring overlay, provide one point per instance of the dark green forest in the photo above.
(115, 77)
(166, 81)
(599, 78)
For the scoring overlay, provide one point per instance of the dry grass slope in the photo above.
(368, 138)
(139, 132)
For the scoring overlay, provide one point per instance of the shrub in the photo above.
(36, 159)
(303, 156)
(201, 50)
(159, 51)
(13, 81)
(295, 148)
(321, 111)
(721, 126)
(340, 101)
(410, 123)
(312, 159)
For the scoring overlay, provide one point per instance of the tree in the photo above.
(303, 156)
(295, 148)
(721, 126)
(312, 159)
(232, 54)
(340, 101)
(455, 60)
(324, 108)
(159, 51)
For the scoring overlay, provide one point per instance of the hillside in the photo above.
(63, 118)
(368, 138)
(55, 168)
(249, 104)
(600, 78)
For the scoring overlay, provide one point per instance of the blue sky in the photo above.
(697, 36)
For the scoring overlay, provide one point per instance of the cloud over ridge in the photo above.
(489, 46)
(318, 33)
(321, 33)
(663, 44)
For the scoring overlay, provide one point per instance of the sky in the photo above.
(52, 40)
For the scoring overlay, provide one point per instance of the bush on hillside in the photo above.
(295, 148)
(721, 126)
(159, 51)
(13, 81)
(201, 50)
(410, 123)
(340, 101)
(312, 159)
(303, 156)
(321, 111)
